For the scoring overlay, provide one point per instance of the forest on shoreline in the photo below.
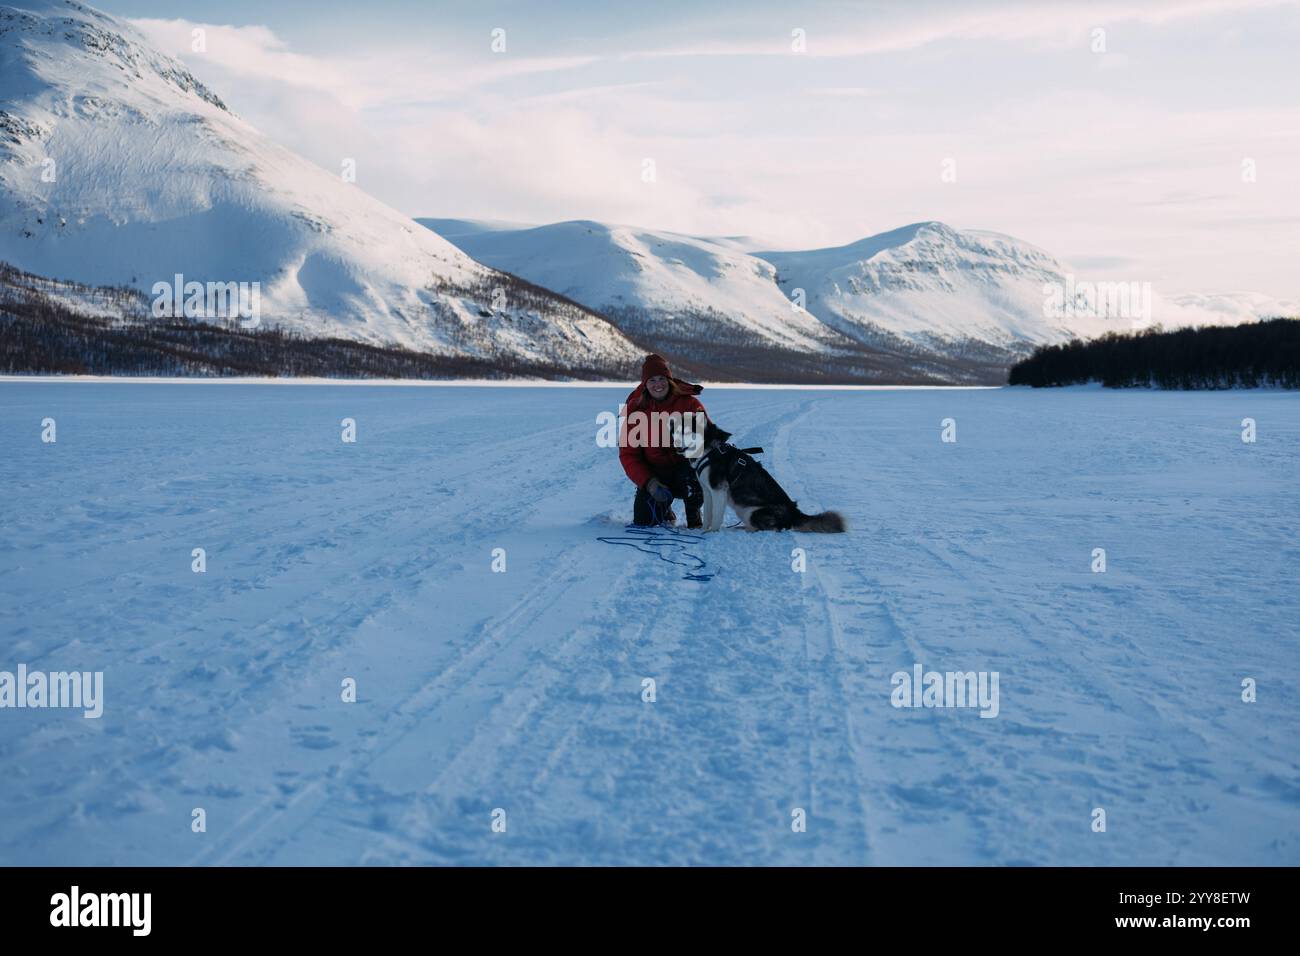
(1255, 355)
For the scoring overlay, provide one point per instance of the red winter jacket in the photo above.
(643, 463)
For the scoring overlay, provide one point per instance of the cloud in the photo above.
(362, 80)
(912, 26)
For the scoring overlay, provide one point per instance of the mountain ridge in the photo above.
(118, 167)
(925, 284)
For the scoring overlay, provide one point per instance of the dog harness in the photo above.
(730, 457)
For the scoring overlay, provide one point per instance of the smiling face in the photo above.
(658, 386)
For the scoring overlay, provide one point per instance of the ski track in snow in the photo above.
(522, 690)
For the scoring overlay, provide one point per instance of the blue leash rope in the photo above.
(658, 537)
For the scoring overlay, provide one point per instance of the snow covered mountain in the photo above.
(708, 304)
(925, 286)
(652, 283)
(117, 166)
(930, 282)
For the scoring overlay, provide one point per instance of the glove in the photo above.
(657, 490)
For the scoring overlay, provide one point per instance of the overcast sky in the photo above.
(1133, 163)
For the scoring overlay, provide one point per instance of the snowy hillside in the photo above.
(930, 280)
(118, 167)
(653, 283)
(523, 690)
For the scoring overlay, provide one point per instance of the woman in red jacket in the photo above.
(661, 473)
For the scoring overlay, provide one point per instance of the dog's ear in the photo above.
(713, 432)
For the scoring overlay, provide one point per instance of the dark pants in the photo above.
(681, 481)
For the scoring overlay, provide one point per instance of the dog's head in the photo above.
(693, 444)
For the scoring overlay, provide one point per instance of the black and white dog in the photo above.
(732, 476)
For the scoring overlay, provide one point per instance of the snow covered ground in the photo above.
(523, 690)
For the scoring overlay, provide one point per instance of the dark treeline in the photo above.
(39, 334)
(1242, 356)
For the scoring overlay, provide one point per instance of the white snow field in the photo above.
(522, 691)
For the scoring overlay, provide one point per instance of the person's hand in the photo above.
(657, 490)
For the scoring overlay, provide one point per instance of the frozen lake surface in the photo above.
(522, 691)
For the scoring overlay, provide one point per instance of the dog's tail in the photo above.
(830, 522)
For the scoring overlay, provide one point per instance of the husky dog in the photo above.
(731, 476)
